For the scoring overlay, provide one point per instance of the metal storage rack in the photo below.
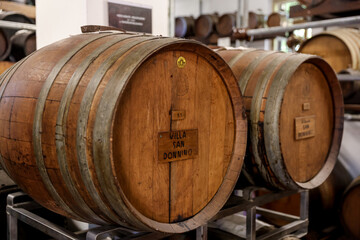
(20, 207)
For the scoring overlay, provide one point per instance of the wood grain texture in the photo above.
(279, 89)
(4, 65)
(54, 146)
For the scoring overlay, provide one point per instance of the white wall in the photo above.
(191, 7)
(56, 20)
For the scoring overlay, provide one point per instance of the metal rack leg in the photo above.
(251, 223)
(202, 233)
(304, 207)
(12, 227)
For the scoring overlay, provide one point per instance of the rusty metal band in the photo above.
(249, 70)
(5, 78)
(255, 110)
(104, 121)
(271, 119)
(83, 117)
(37, 126)
(61, 122)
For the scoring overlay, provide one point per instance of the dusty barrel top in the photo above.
(142, 131)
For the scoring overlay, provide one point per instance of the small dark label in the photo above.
(304, 127)
(178, 145)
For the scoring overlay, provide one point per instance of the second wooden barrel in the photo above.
(184, 26)
(141, 131)
(295, 112)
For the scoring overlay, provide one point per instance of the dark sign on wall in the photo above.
(130, 16)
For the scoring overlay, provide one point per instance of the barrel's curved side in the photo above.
(37, 127)
(5, 78)
(258, 134)
(61, 130)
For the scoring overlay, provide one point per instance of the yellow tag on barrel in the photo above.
(181, 62)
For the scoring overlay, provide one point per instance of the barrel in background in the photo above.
(141, 131)
(6, 34)
(23, 44)
(350, 209)
(275, 19)
(226, 24)
(205, 25)
(295, 112)
(184, 26)
(339, 47)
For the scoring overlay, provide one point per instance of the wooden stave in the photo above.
(283, 180)
(255, 20)
(241, 128)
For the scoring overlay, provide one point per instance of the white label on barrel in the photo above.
(178, 145)
(304, 127)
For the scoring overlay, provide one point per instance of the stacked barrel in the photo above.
(151, 133)
(206, 28)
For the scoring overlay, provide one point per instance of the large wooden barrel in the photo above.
(205, 25)
(295, 113)
(339, 47)
(184, 26)
(141, 131)
(350, 209)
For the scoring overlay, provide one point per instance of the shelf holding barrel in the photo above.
(295, 112)
(111, 128)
